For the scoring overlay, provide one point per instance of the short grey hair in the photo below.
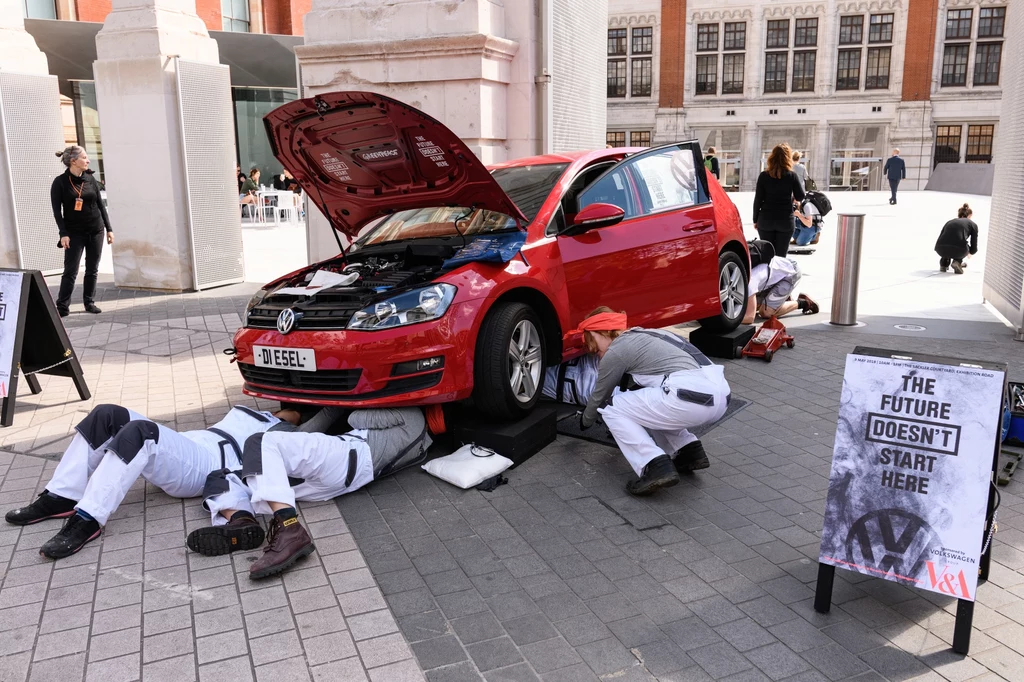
(70, 154)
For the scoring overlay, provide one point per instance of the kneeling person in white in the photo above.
(281, 467)
(680, 389)
(113, 447)
(770, 287)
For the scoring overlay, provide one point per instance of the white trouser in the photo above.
(99, 479)
(654, 421)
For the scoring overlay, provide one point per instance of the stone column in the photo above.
(136, 92)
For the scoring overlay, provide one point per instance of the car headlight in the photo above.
(419, 305)
(256, 299)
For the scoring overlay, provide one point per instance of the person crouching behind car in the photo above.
(679, 390)
(770, 287)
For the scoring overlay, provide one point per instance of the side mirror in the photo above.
(595, 216)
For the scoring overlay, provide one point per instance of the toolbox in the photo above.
(722, 345)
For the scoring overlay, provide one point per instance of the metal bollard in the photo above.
(847, 277)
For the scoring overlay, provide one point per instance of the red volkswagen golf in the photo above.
(463, 282)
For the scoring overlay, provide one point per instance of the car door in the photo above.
(659, 264)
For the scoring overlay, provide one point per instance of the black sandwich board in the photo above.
(911, 495)
(32, 338)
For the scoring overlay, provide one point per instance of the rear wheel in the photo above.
(510, 361)
(732, 294)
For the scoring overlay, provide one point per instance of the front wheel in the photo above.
(732, 294)
(510, 361)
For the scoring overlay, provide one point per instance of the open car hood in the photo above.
(360, 155)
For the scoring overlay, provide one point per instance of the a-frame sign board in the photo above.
(32, 338)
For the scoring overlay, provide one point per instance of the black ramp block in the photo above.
(722, 345)
(516, 440)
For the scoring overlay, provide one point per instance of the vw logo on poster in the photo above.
(911, 469)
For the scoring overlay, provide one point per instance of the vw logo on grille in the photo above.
(286, 320)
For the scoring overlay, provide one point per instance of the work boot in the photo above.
(76, 533)
(659, 473)
(46, 506)
(691, 457)
(287, 542)
(241, 533)
(958, 267)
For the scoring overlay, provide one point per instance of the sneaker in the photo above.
(239, 534)
(958, 267)
(287, 542)
(809, 306)
(963, 264)
(76, 533)
(46, 506)
(659, 473)
(690, 458)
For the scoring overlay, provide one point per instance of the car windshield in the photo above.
(529, 186)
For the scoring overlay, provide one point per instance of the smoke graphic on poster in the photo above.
(911, 471)
(10, 303)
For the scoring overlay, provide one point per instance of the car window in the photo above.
(529, 186)
(614, 187)
(668, 178)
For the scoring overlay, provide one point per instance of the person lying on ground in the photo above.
(113, 446)
(679, 389)
(282, 467)
(769, 291)
(958, 241)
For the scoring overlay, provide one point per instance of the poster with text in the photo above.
(10, 302)
(910, 471)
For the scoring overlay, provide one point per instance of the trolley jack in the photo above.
(768, 339)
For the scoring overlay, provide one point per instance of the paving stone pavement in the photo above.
(557, 576)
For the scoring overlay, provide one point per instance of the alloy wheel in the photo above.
(731, 290)
(524, 361)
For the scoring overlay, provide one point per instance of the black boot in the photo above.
(659, 473)
(91, 308)
(241, 533)
(76, 533)
(690, 458)
(46, 506)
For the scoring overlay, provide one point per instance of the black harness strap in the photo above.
(559, 395)
(228, 440)
(253, 413)
(681, 344)
(353, 462)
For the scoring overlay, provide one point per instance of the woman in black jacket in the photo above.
(777, 186)
(81, 220)
(958, 241)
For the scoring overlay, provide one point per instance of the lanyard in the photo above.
(78, 190)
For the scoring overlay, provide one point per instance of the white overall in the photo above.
(654, 421)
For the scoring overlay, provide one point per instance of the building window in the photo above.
(643, 40)
(736, 35)
(848, 71)
(732, 74)
(616, 42)
(640, 138)
(880, 29)
(947, 144)
(235, 15)
(958, 23)
(979, 144)
(806, 33)
(616, 77)
(778, 33)
(991, 21)
(851, 30)
(986, 63)
(707, 38)
(954, 65)
(39, 9)
(707, 74)
(803, 71)
(775, 71)
(615, 138)
(877, 76)
(642, 76)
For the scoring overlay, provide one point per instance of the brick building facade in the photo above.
(843, 81)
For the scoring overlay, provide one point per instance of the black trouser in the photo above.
(893, 184)
(92, 244)
(777, 231)
(948, 254)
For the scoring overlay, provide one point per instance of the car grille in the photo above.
(340, 380)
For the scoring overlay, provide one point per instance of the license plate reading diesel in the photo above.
(300, 359)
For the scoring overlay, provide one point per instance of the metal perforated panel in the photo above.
(1004, 253)
(32, 132)
(579, 62)
(208, 146)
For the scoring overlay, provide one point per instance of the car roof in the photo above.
(566, 157)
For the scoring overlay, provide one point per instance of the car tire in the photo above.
(732, 294)
(499, 389)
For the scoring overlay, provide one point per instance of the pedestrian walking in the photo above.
(711, 163)
(895, 169)
(958, 241)
(81, 220)
(777, 186)
(800, 170)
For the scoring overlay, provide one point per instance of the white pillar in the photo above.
(136, 92)
(18, 50)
